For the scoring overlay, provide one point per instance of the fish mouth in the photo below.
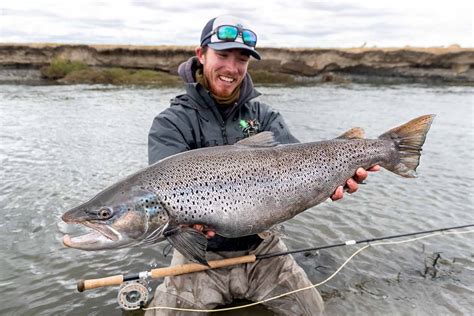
(101, 237)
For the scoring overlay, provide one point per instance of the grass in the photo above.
(121, 76)
(59, 68)
(266, 77)
(75, 72)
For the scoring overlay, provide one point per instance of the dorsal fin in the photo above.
(353, 133)
(263, 139)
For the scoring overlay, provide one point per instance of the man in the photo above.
(218, 109)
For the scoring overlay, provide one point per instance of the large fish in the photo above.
(236, 190)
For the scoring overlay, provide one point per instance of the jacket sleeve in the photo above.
(274, 122)
(165, 137)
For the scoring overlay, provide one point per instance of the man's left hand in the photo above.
(206, 231)
(352, 184)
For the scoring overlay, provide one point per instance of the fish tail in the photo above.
(408, 139)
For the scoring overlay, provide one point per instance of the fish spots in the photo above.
(234, 185)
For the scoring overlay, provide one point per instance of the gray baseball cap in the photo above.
(245, 38)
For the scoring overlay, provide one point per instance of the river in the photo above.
(60, 145)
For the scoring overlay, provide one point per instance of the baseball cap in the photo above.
(229, 32)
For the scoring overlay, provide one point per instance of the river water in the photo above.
(59, 145)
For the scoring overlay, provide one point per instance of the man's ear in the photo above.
(200, 54)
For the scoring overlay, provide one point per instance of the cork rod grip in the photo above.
(196, 267)
(83, 285)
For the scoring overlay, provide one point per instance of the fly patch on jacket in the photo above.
(249, 127)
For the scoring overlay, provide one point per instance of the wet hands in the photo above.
(352, 185)
(205, 230)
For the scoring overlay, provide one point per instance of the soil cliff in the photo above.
(441, 64)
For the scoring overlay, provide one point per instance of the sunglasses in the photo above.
(229, 33)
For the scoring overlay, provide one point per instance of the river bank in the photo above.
(157, 65)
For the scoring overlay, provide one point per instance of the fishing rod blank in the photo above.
(83, 285)
(362, 241)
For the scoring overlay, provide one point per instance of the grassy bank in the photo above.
(74, 72)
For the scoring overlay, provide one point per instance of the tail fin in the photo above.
(408, 139)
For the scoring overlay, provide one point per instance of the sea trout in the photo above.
(236, 190)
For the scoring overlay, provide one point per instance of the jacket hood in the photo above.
(187, 69)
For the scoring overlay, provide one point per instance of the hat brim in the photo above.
(235, 45)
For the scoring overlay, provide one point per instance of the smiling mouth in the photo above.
(226, 79)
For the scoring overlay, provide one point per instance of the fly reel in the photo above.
(133, 294)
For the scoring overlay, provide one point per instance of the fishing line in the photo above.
(435, 232)
(356, 242)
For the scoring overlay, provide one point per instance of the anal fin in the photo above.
(189, 242)
(277, 230)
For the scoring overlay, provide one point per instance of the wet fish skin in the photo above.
(120, 216)
(236, 190)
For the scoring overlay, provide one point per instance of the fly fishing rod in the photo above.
(196, 267)
(137, 278)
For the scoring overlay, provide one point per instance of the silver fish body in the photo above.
(237, 190)
(241, 190)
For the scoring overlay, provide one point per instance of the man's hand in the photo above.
(353, 183)
(209, 233)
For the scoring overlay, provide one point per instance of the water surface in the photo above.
(60, 145)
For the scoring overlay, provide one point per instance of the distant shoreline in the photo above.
(128, 64)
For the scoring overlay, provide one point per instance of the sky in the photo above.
(288, 23)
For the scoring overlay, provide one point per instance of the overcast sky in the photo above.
(289, 23)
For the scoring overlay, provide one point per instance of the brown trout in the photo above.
(236, 190)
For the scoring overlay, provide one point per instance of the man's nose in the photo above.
(233, 63)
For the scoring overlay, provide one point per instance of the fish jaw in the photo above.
(124, 227)
(102, 237)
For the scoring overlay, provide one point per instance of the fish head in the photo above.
(119, 216)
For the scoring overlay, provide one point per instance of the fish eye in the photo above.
(104, 213)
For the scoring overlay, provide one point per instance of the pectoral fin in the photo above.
(189, 242)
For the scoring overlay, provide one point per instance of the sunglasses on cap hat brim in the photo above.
(228, 34)
(231, 33)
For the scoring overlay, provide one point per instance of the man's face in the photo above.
(224, 69)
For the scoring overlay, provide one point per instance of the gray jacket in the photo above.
(194, 121)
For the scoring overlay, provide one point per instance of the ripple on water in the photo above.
(59, 145)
